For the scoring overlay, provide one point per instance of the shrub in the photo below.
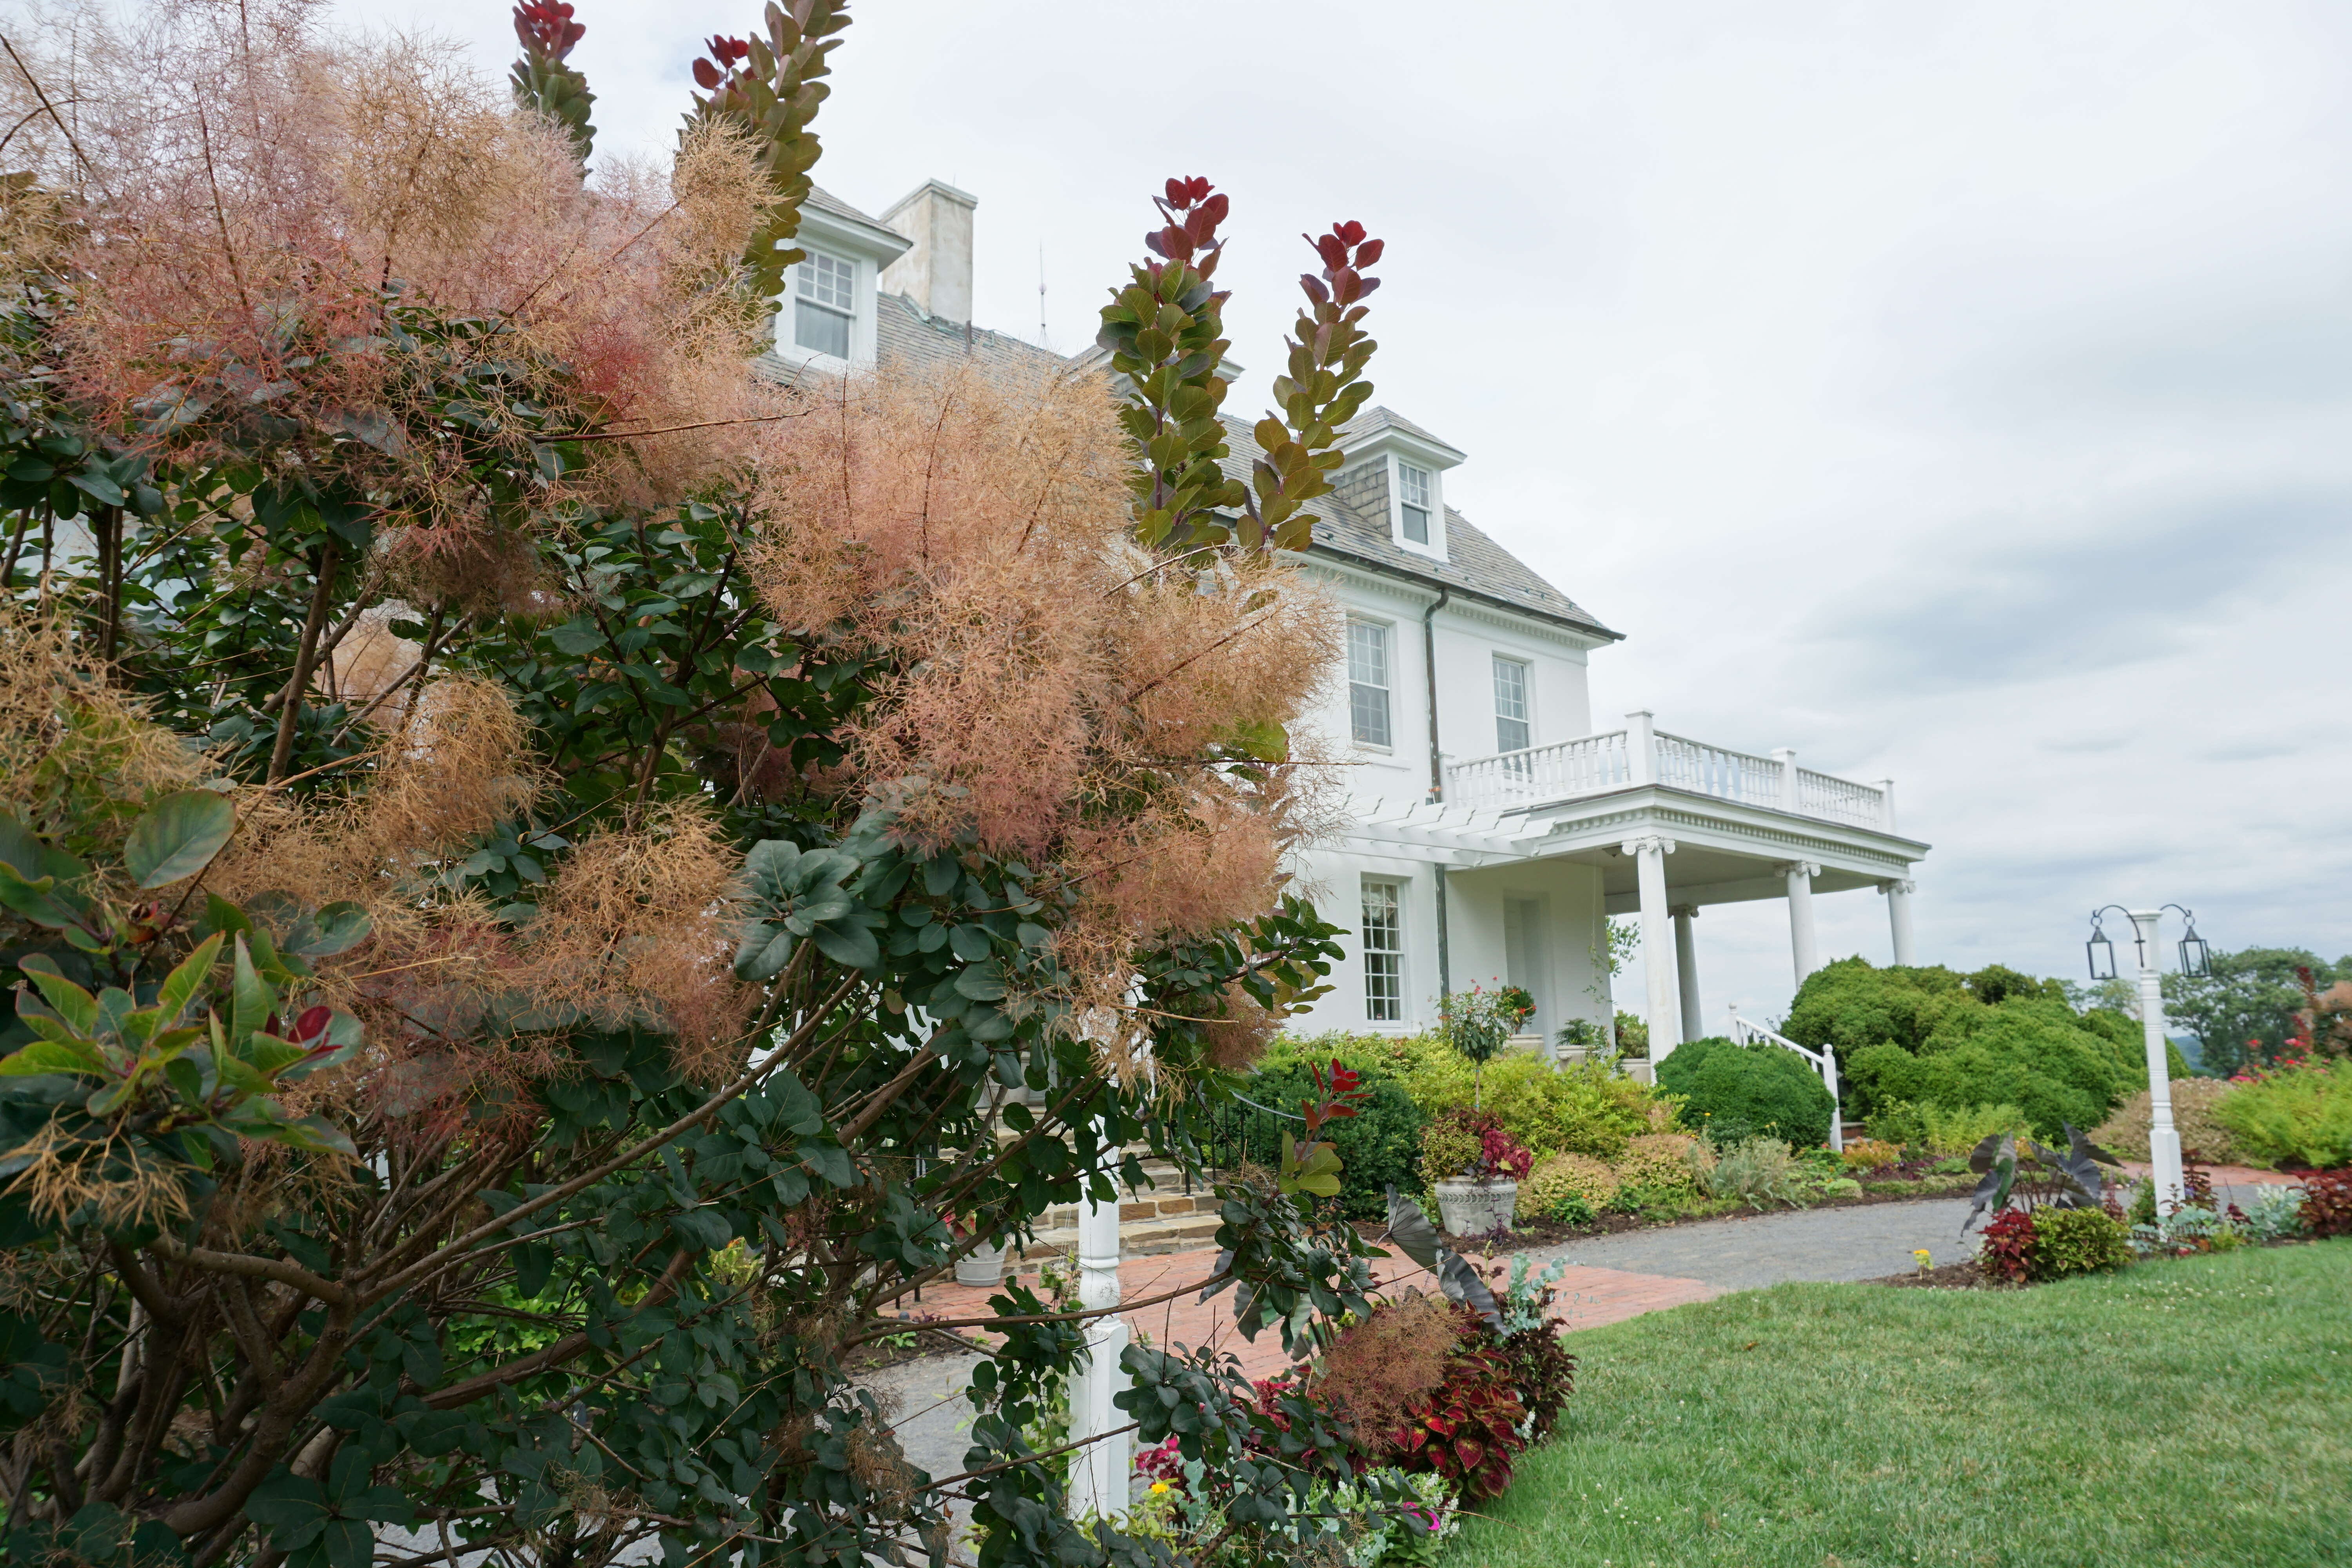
(1944, 1131)
(1383, 1361)
(1379, 1147)
(2274, 1213)
(1870, 1154)
(1472, 1146)
(2299, 1116)
(2125, 1133)
(1565, 1180)
(2328, 1203)
(1757, 1170)
(2006, 1251)
(1735, 1091)
(1580, 1108)
(1661, 1162)
(2076, 1241)
(1935, 1036)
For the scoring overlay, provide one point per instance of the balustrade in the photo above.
(1593, 765)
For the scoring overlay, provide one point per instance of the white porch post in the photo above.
(2163, 1137)
(1787, 757)
(1642, 746)
(1898, 918)
(1657, 939)
(1886, 805)
(1098, 1472)
(1686, 970)
(1801, 917)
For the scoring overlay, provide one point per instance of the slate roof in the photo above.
(1374, 420)
(1475, 564)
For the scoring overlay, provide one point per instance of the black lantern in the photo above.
(2102, 951)
(2194, 960)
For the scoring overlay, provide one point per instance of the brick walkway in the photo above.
(1589, 1297)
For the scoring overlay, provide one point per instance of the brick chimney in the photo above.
(936, 273)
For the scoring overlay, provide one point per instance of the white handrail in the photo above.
(1824, 1062)
(1593, 764)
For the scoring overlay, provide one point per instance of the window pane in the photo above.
(827, 280)
(1383, 950)
(814, 327)
(1416, 524)
(1511, 726)
(1415, 483)
(1368, 683)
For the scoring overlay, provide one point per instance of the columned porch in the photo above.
(1655, 826)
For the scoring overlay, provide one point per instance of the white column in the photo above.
(2163, 1137)
(1801, 946)
(1657, 941)
(1898, 920)
(1098, 1472)
(1686, 971)
(1886, 805)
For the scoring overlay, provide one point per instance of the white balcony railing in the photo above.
(1639, 754)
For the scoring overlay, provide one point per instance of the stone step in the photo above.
(1137, 1237)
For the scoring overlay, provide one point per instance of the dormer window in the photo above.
(1414, 495)
(824, 303)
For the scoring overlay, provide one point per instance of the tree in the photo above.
(534, 865)
(2245, 1011)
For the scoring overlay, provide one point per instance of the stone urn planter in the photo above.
(1475, 1208)
(983, 1265)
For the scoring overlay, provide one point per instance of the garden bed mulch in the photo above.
(1551, 1233)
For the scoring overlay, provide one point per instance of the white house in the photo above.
(1495, 824)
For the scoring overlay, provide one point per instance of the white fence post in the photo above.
(1098, 1471)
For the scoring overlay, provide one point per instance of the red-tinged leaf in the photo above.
(312, 1023)
(1369, 253)
(1175, 192)
(1350, 233)
(706, 75)
(1217, 206)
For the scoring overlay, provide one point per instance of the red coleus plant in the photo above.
(1467, 1429)
(2007, 1252)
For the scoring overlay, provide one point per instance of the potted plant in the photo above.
(1479, 1022)
(1475, 1167)
(977, 1263)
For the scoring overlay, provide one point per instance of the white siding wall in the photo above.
(1559, 901)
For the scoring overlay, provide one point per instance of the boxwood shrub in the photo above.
(1732, 1091)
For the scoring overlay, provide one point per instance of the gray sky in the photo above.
(1955, 394)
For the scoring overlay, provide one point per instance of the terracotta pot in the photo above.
(983, 1265)
(1475, 1208)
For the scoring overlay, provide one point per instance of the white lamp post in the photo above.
(2163, 1137)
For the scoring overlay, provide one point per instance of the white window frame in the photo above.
(1358, 690)
(1416, 496)
(1381, 915)
(1525, 696)
(827, 282)
(1431, 490)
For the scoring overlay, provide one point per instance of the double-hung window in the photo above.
(1383, 948)
(1368, 682)
(1512, 731)
(824, 300)
(1413, 494)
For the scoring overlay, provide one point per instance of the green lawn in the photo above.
(2193, 1412)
